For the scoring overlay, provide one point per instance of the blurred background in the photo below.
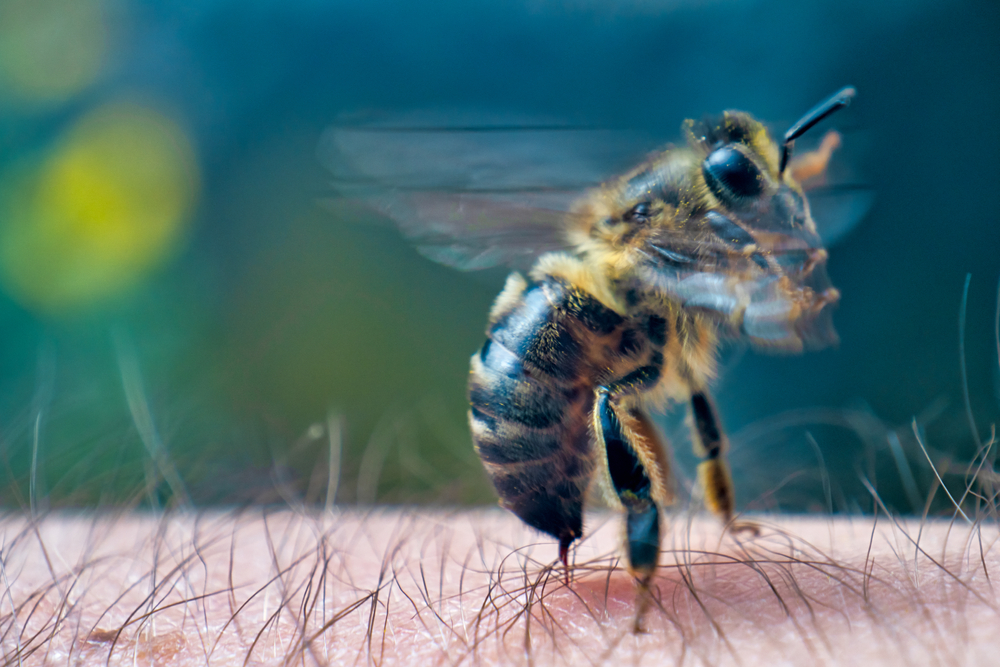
(183, 322)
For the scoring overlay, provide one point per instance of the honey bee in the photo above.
(623, 311)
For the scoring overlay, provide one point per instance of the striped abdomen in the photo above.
(531, 389)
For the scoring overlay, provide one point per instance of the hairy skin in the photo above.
(477, 587)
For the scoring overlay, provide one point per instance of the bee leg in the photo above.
(642, 535)
(636, 463)
(711, 444)
(812, 164)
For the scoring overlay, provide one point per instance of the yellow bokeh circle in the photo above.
(109, 203)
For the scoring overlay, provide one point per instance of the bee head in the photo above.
(715, 204)
(739, 160)
(720, 226)
(744, 171)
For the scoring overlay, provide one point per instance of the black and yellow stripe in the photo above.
(531, 394)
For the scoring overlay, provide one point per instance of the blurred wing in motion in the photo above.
(837, 209)
(840, 198)
(475, 195)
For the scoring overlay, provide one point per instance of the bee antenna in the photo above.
(839, 100)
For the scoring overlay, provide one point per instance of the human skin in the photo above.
(408, 586)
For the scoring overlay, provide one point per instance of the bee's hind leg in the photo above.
(710, 444)
(637, 467)
(631, 480)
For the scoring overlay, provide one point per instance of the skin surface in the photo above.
(478, 587)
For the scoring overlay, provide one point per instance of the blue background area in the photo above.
(277, 312)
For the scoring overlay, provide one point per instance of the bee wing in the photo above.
(773, 311)
(840, 197)
(476, 231)
(771, 287)
(838, 208)
(474, 195)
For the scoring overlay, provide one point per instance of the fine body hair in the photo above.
(407, 586)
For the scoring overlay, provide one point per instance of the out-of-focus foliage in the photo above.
(173, 293)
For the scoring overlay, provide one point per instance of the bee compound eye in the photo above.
(731, 175)
(639, 213)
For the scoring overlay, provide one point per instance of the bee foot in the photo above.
(744, 528)
(643, 597)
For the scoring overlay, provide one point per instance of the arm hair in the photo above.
(477, 587)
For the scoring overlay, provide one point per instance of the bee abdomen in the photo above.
(531, 393)
(500, 385)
